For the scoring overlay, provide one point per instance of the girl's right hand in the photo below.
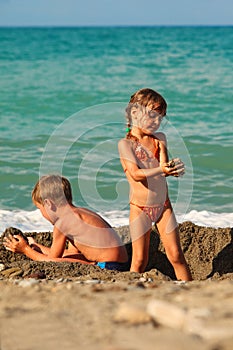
(174, 167)
(31, 240)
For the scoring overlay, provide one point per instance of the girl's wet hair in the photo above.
(144, 98)
(54, 187)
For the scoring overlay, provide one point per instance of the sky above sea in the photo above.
(111, 12)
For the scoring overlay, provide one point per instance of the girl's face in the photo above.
(147, 119)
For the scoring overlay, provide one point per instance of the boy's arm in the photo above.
(37, 246)
(46, 250)
(17, 244)
(38, 251)
(58, 244)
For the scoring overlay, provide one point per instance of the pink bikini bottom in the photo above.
(155, 212)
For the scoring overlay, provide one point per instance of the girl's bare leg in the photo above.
(169, 234)
(140, 229)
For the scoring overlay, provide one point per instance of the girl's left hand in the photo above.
(174, 168)
(15, 244)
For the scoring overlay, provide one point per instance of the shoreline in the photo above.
(33, 221)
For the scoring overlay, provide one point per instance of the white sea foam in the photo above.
(200, 218)
(207, 218)
(24, 220)
(32, 221)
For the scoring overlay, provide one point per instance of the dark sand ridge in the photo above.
(209, 253)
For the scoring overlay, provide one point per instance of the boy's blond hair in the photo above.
(54, 187)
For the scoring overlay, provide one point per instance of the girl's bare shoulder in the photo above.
(124, 143)
(160, 136)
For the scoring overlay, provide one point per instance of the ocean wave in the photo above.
(24, 220)
(207, 218)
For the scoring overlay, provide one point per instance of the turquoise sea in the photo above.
(62, 97)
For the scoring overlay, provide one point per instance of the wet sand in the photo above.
(69, 305)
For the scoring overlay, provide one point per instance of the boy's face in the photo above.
(46, 211)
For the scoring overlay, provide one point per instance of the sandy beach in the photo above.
(69, 305)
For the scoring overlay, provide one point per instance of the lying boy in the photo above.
(91, 239)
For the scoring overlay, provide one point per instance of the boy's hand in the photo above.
(173, 168)
(15, 244)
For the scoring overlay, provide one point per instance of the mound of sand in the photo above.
(208, 252)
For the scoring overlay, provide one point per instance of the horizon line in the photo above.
(113, 25)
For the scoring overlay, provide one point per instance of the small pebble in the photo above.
(92, 281)
(180, 282)
(200, 313)
(140, 285)
(2, 267)
(16, 273)
(142, 279)
(173, 316)
(28, 283)
(60, 280)
(166, 314)
(37, 275)
(217, 332)
(132, 315)
(12, 272)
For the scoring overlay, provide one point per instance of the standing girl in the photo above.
(144, 158)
